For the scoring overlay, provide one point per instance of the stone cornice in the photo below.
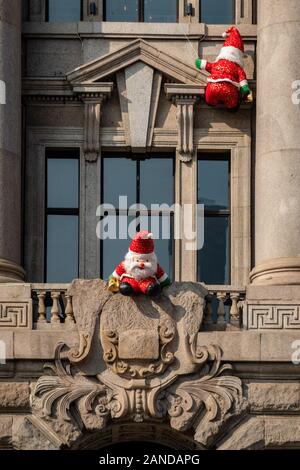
(60, 90)
(123, 30)
(176, 91)
(94, 90)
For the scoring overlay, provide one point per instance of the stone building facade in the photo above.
(213, 362)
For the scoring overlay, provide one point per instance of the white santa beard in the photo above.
(132, 268)
(233, 54)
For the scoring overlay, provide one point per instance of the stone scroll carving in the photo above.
(185, 119)
(139, 362)
(93, 96)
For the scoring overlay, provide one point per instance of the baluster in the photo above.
(234, 311)
(69, 310)
(55, 308)
(221, 296)
(208, 320)
(41, 308)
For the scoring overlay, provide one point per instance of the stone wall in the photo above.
(245, 381)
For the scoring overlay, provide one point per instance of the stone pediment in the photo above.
(138, 69)
(137, 51)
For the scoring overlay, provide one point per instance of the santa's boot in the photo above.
(126, 289)
(153, 290)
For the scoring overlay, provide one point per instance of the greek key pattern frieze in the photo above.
(14, 315)
(279, 317)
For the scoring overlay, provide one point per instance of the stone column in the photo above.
(277, 173)
(10, 142)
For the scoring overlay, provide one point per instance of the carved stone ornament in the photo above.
(185, 120)
(93, 96)
(137, 361)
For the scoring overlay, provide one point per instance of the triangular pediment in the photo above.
(137, 51)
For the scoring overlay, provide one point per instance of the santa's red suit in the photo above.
(141, 285)
(227, 76)
(140, 272)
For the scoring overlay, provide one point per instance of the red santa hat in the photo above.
(142, 243)
(233, 49)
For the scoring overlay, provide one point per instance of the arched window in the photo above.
(149, 11)
(65, 11)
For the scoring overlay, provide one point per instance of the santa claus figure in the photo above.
(227, 80)
(140, 271)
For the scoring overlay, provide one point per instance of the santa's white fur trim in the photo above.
(203, 64)
(116, 275)
(163, 278)
(243, 83)
(141, 255)
(225, 35)
(233, 54)
(219, 80)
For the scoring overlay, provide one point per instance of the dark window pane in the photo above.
(157, 181)
(114, 250)
(122, 10)
(63, 182)
(162, 229)
(217, 11)
(213, 184)
(119, 179)
(158, 11)
(213, 259)
(62, 248)
(64, 10)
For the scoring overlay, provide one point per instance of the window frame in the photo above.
(55, 153)
(222, 155)
(47, 8)
(141, 13)
(234, 13)
(138, 158)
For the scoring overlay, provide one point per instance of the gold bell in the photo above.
(114, 285)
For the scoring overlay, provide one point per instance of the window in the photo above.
(150, 11)
(64, 11)
(62, 215)
(144, 181)
(214, 193)
(217, 11)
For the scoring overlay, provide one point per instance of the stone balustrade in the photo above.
(52, 305)
(224, 307)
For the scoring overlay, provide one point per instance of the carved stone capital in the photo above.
(92, 96)
(185, 97)
(185, 120)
